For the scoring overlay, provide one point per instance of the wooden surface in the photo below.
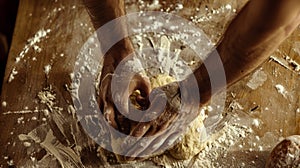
(69, 28)
(69, 25)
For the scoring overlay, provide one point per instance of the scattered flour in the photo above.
(281, 90)
(295, 65)
(32, 43)
(65, 155)
(179, 6)
(228, 6)
(287, 63)
(256, 122)
(215, 152)
(4, 104)
(27, 144)
(47, 69)
(47, 97)
(257, 80)
(10, 163)
(12, 75)
(24, 111)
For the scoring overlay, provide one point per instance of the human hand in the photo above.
(161, 125)
(115, 88)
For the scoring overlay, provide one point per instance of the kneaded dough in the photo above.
(190, 144)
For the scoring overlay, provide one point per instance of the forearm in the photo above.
(103, 11)
(256, 32)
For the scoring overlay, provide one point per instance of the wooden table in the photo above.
(62, 27)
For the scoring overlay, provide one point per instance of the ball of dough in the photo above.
(286, 153)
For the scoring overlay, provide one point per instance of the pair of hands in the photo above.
(156, 117)
(115, 103)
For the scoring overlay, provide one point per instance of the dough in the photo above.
(286, 153)
(190, 144)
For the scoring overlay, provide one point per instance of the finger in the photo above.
(161, 130)
(107, 107)
(148, 145)
(140, 129)
(152, 145)
(144, 102)
(137, 148)
(157, 108)
(130, 141)
(109, 115)
(122, 101)
(158, 136)
(140, 83)
(123, 123)
(132, 145)
(161, 124)
(161, 144)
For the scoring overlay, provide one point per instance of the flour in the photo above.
(256, 123)
(179, 6)
(32, 43)
(213, 13)
(10, 163)
(45, 138)
(27, 144)
(287, 63)
(47, 69)
(230, 135)
(47, 97)
(228, 6)
(20, 120)
(214, 153)
(4, 104)
(73, 89)
(294, 64)
(37, 49)
(236, 106)
(257, 79)
(281, 90)
(25, 111)
(12, 75)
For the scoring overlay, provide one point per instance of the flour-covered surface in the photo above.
(39, 99)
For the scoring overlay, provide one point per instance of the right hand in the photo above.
(157, 135)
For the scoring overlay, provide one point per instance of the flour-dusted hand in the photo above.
(115, 46)
(167, 118)
(115, 90)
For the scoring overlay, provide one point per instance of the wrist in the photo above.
(197, 85)
(118, 52)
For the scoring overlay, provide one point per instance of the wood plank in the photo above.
(70, 27)
(67, 26)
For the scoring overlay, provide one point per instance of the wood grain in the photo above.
(70, 27)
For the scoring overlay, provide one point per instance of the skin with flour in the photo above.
(252, 36)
